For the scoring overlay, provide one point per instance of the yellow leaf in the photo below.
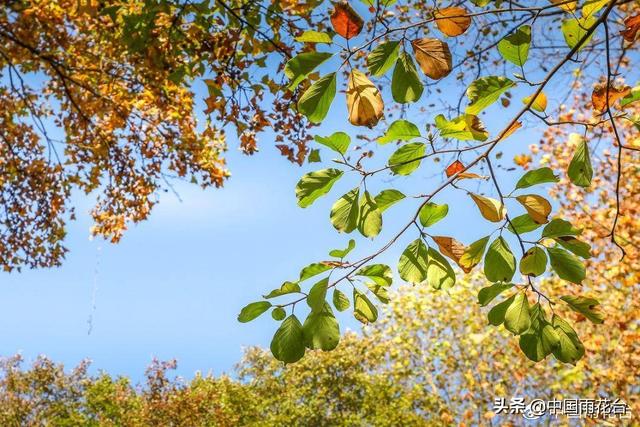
(433, 56)
(514, 127)
(537, 207)
(364, 101)
(452, 248)
(491, 209)
(540, 103)
(452, 21)
(567, 7)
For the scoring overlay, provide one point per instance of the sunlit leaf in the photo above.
(574, 29)
(485, 91)
(515, 47)
(432, 213)
(466, 127)
(534, 262)
(489, 293)
(315, 184)
(315, 102)
(370, 222)
(382, 58)
(407, 158)
(452, 21)
(341, 253)
(566, 265)
(412, 265)
(584, 306)
(253, 310)
(363, 308)
(400, 130)
(440, 275)
(537, 207)
(340, 300)
(321, 330)
(473, 253)
(433, 56)
(387, 198)
(344, 213)
(299, 67)
(338, 141)
(580, 170)
(345, 20)
(516, 318)
(364, 101)
(537, 176)
(491, 209)
(540, 102)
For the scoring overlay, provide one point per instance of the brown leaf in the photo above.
(453, 21)
(345, 20)
(454, 168)
(632, 25)
(514, 127)
(599, 96)
(453, 249)
(433, 56)
(364, 101)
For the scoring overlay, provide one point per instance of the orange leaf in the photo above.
(599, 96)
(454, 168)
(632, 25)
(452, 248)
(452, 21)
(345, 20)
(514, 127)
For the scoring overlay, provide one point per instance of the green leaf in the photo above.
(537, 176)
(278, 314)
(315, 184)
(313, 270)
(566, 265)
(541, 342)
(431, 213)
(407, 158)
(338, 141)
(515, 47)
(344, 213)
(440, 275)
(381, 59)
(412, 265)
(379, 291)
(633, 96)
(580, 170)
(387, 198)
(522, 224)
(253, 310)
(485, 91)
(499, 262)
(341, 253)
(473, 254)
(591, 7)
(314, 156)
(574, 29)
(299, 67)
(321, 330)
(318, 294)
(400, 130)
(534, 262)
(516, 318)
(363, 308)
(584, 306)
(315, 102)
(489, 293)
(311, 36)
(287, 344)
(370, 222)
(497, 313)
(379, 273)
(406, 85)
(466, 127)
(570, 348)
(559, 227)
(340, 300)
(286, 288)
(578, 247)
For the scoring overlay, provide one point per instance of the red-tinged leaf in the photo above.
(346, 21)
(454, 168)
(632, 25)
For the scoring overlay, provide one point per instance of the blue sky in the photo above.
(175, 284)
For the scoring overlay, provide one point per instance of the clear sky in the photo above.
(175, 284)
